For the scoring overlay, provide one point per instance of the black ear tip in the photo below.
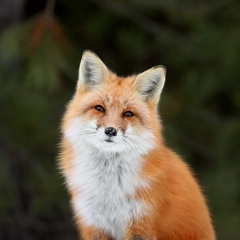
(89, 51)
(161, 66)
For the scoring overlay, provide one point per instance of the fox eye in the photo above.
(128, 114)
(100, 108)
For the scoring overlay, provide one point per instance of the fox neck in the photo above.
(103, 182)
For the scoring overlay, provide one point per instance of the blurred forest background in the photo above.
(41, 44)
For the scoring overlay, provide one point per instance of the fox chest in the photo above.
(106, 191)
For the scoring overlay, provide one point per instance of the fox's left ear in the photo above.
(149, 84)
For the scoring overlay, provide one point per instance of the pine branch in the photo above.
(49, 10)
(138, 18)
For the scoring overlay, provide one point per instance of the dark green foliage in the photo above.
(198, 42)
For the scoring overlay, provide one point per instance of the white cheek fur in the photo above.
(82, 132)
(106, 177)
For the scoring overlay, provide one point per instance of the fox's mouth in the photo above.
(109, 140)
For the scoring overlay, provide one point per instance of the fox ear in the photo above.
(92, 70)
(149, 84)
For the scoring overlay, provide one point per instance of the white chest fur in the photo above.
(106, 185)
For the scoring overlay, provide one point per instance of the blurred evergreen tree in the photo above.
(41, 44)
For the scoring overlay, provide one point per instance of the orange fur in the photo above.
(178, 209)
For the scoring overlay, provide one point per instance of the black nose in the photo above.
(110, 131)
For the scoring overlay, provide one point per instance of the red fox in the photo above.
(124, 182)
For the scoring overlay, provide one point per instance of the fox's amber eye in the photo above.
(100, 108)
(128, 114)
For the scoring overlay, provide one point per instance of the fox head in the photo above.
(114, 114)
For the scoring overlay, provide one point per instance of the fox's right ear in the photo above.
(92, 70)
